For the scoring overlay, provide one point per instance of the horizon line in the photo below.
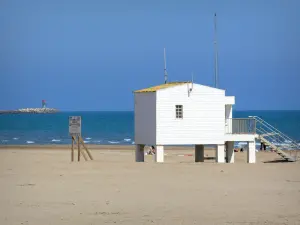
(244, 110)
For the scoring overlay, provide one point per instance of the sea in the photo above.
(108, 128)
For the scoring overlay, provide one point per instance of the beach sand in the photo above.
(40, 186)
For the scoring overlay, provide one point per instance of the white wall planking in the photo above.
(203, 115)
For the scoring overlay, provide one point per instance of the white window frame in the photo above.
(179, 111)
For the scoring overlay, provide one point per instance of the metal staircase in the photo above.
(278, 141)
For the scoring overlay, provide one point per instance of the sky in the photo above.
(92, 54)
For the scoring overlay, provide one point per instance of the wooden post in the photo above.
(83, 154)
(88, 152)
(72, 150)
(78, 143)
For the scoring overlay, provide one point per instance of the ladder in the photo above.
(277, 140)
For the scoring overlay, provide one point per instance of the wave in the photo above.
(242, 143)
(97, 141)
(56, 140)
(16, 138)
(88, 138)
(113, 142)
(133, 143)
(30, 142)
(86, 142)
(4, 140)
(127, 139)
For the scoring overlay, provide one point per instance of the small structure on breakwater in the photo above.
(44, 109)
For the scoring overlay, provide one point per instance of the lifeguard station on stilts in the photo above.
(186, 113)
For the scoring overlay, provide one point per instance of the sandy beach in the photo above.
(39, 185)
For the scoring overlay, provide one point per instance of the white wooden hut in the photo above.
(185, 113)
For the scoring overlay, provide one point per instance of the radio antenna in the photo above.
(192, 80)
(216, 51)
(165, 68)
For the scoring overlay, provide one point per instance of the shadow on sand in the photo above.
(209, 158)
(277, 161)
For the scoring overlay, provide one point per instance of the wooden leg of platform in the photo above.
(78, 144)
(88, 152)
(72, 150)
(83, 154)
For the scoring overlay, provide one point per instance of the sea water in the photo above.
(109, 128)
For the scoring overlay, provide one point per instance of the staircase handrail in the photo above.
(273, 139)
(269, 126)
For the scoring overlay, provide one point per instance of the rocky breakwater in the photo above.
(30, 110)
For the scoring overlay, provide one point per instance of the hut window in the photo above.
(179, 111)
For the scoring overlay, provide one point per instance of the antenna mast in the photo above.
(216, 52)
(165, 69)
(192, 80)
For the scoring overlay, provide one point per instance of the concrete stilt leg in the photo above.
(159, 155)
(199, 153)
(139, 153)
(220, 155)
(230, 151)
(251, 157)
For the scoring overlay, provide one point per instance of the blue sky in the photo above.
(91, 55)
